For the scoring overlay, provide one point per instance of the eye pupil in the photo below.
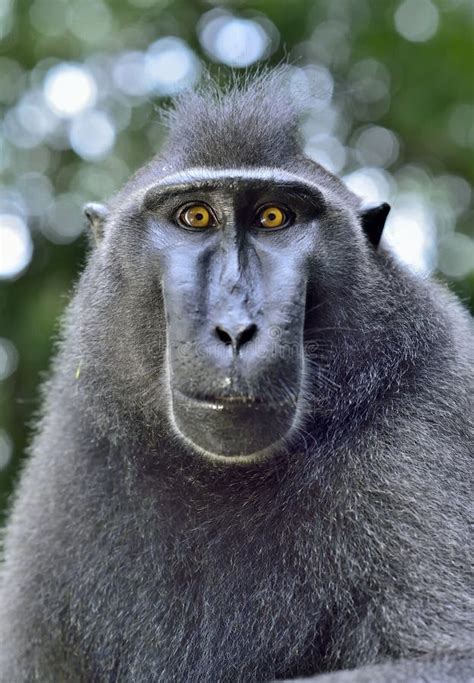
(196, 216)
(272, 217)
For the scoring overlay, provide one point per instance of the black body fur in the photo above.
(129, 557)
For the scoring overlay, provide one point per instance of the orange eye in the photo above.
(272, 217)
(196, 216)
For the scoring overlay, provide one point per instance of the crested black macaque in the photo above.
(253, 462)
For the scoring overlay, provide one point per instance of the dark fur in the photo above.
(128, 557)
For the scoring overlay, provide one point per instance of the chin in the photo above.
(231, 429)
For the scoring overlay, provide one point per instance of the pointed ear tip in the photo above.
(383, 207)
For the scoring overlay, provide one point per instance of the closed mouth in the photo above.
(231, 426)
(219, 402)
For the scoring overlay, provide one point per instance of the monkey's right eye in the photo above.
(197, 216)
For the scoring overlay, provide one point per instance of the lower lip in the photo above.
(220, 403)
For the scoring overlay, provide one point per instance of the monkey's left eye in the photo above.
(196, 216)
(272, 217)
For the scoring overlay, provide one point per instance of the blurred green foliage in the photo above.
(427, 106)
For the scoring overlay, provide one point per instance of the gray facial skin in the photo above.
(235, 295)
(255, 452)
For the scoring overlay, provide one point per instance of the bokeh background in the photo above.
(80, 85)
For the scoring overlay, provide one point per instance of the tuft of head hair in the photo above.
(254, 120)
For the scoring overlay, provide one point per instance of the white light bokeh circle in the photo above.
(376, 146)
(411, 235)
(240, 42)
(30, 121)
(232, 40)
(92, 135)
(372, 185)
(417, 20)
(456, 191)
(330, 42)
(70, 89)
(12, 202)
(170, 66)
(314, 83)
(16, 247)
(129, 73)
(65, 218)
(37, 191)
(456, 256)
(327, 151)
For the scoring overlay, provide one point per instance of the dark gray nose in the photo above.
(236, 335)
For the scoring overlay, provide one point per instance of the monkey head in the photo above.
(225, 268)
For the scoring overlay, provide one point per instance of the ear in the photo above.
(96, 215)
(373, 220)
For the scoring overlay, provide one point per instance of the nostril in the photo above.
(246, 335)
(236, 338)
(223, 335)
